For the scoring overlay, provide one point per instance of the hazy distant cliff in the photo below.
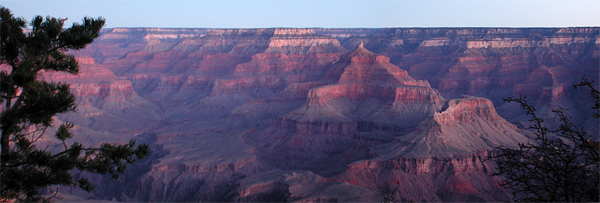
(288, 114)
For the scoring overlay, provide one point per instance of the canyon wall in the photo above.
(288, 114)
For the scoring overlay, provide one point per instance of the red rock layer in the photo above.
(272, 99)
(365, 93)
(461, 179)
(105, 99)
(465, 110)
(363, 75)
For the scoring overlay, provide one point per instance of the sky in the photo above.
(317, 13)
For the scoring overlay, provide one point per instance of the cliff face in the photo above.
(471, 60)
(460, 179)
(323, 114)
(106, 102)
(360, 90)
(494, 63)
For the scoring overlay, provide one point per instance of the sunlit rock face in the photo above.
(458, 179)
(540, 63)
(309, 115)
(375, 114)
(105, 102)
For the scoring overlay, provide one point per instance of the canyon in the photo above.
(309, 115)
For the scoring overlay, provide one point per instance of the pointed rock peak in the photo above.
(362, 55)
(366, 67)
(361, 51)
(361, 48)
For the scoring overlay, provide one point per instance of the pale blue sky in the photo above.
(317, 13)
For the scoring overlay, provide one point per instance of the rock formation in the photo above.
(373, 112)
(310, 115)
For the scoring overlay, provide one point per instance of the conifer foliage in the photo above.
(562, 165)
(29, 104)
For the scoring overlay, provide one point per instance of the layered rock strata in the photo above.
(106, 102)
(540, 63)
(291, 115)
(373, 112)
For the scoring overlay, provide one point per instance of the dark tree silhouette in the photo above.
(562, 164)
(28, 105)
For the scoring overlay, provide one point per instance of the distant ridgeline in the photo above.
(287, 114)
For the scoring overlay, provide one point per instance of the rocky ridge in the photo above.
(292, 115)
